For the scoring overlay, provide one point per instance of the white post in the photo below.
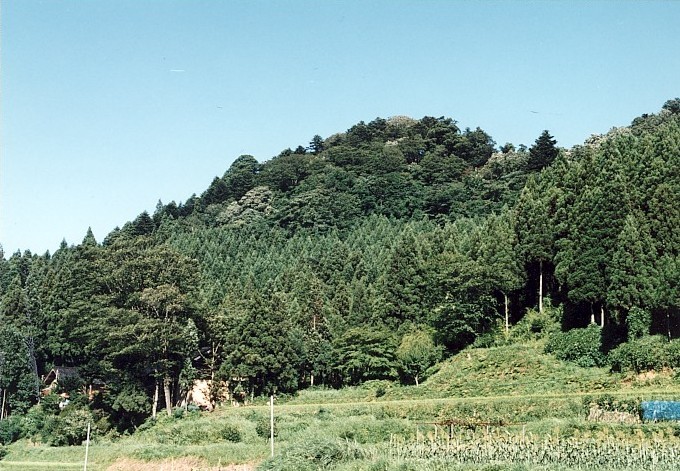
(87, 446)
(271, 422)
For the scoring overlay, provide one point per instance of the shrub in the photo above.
(10, 430)
(535, 325)
(50, 404)
(262, 427)
(34, 420)
(231, 433)
(178, 413)
(67, 428)
(3, 451)
(580, 346)
(646, 353)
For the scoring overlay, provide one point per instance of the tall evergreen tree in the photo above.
(543, 152)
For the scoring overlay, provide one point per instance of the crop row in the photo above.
(588, 454)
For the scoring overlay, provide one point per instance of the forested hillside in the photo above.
(369, 254)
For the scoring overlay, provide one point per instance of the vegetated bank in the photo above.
(369, 255)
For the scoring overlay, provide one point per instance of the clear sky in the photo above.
(108, 106)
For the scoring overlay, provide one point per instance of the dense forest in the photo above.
(369, 254)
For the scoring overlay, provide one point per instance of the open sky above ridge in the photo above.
(108, 106)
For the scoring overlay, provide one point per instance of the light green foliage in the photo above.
(69, 427)
(416, 353)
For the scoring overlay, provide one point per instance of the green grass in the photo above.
(357, 428)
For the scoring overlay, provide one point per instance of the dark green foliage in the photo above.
(10, 429)
(543, 152)
(326, 265)
(580, 346)
(366, 353)
(263, 427)
(231, 433)
(639, 322)
(652, 352)
(263, 350)
(672, 106)
(17, 378)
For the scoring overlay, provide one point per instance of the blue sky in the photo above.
(109, 106)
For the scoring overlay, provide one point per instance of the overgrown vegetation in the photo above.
(362, 260)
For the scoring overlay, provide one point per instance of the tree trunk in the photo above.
(416, 380)
(166, 390)
(592, 314)
(540, 288)
(311, 380)
(507, 315)
(602, 316)
(154, 407)
(4, 397)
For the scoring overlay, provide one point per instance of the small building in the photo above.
(59, 375)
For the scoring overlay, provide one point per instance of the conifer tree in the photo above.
(632, 270)
(543, 152)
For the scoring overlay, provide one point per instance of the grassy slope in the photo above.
(516, 384)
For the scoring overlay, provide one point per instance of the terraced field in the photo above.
(507, 407)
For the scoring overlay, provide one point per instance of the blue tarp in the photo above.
(660, 410)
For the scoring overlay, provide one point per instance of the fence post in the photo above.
(87, 446)
(271, 422)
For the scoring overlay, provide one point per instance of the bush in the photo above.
(262, 427)
(67, 428)
(34, 420)
(10, 430)
(652, 352)
(580, 346)
(536, 325)
(3, 451)
(231, 433)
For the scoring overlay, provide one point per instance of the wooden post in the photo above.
(87, 446)
(271, 422)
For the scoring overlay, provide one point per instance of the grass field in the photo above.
(508, 407)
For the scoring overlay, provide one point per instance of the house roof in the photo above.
(60, 372)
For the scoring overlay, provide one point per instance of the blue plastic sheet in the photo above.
(660, 410)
